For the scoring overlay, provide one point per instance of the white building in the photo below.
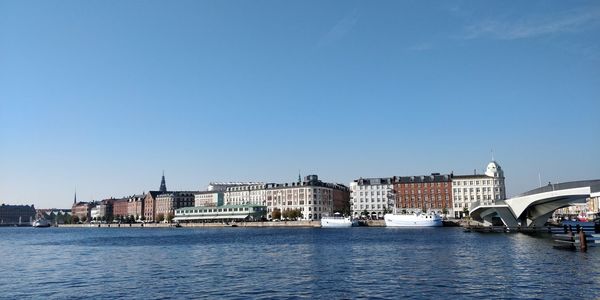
(95, 213)
(470, 191)
(312, 197)
(222, 186)
(373, 195)
(208, 198)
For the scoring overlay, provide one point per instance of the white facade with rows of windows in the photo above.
(470, 191)
(315, 199)
(371, 196)
(208, 198)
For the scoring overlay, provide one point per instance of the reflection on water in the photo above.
(277, 263)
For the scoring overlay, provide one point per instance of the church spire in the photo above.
(299, 178)
(75, 198)
(163, 184)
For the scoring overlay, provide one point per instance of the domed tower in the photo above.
(494, 170)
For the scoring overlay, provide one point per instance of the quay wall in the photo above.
(305, 224)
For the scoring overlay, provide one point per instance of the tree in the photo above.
(276, 214)
(160, 217)
(466, 211)
(170, 217)
(365, 213)
(83, 219)
(296, 214)
(75, 219)
(143, 218)
(444, 210)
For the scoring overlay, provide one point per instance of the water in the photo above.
(278, 263)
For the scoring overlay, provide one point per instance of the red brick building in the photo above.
(120, 208)
(135, 206)
(167, 203)
(82, 210)
(150, 205)
(341, 199)
(432, 192)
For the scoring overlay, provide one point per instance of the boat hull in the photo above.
(41, 223)
(335, 223)
(412, 221)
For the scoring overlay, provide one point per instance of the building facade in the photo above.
(16, 214)
(135, 206)
(121, 208)
(82, 210)
(105, 209)
(423, 193)
(222, 213)
(593, 204)
(150, 205)
(209, 198)
(168, 202)
(312, 197)
(470, 191)
(371, 197)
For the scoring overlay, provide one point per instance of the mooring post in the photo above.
(582, 240)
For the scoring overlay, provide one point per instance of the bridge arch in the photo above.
(534, 207)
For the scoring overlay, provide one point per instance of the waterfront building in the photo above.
(580, 210)
(224, 213)
(120, 208)
(150, 205)
(222, 186)
(82, 210)
(244, 194)
(371, 197)
(149, 201)
(135, 206)
(167, 203)
(470, 191)
(16, 214)
(105, 209)
(312, 197)
(95, 213)
(208, 198)
(423, 193)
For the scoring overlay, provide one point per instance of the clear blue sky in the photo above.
(104, 95)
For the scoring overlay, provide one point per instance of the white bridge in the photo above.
(533, 208)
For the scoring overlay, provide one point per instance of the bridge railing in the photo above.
(562, 186)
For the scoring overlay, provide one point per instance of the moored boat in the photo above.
(413, 220)
(41, 223)
(337, 221)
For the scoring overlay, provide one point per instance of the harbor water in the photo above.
(282, 263)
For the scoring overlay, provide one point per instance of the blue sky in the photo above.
(104, 95)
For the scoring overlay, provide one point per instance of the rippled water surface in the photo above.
(279, 263)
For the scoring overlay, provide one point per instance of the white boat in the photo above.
(337, 221)
(413, 220)
(41, 223)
